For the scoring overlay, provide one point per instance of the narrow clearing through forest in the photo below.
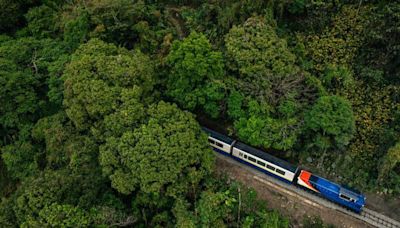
(286, 202)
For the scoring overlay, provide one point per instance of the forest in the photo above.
(100, 99)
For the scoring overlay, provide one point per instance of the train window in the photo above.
(280, 171)
(261, 163)
(346, 197)
(245, 156)
(219, 144)
(211, 141)
(270, 167)
(252, 159)
(240, 154)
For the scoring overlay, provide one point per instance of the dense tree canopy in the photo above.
(331, 122)
(166, 154)
(26, 64)
(269, 89)
(90, 136)
(261, 59)
(102, 82)
(196, 73)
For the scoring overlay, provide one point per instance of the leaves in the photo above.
(98, 80)
(254, 50)
(163, 155)
(391, 159)
(332, 119)
(195, 73)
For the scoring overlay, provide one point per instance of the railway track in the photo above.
(368, 216)
(378, 220)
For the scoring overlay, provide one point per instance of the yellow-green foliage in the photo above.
(256, 52)
(338, 44)
(373, 108)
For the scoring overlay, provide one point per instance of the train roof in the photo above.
(265, 156)
(334, 187)
(218, 136)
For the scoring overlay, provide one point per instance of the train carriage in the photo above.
(285, 171)
(219, 142)
(267, 163)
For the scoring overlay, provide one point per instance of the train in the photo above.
(283, 170)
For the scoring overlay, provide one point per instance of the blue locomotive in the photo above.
(285, 171)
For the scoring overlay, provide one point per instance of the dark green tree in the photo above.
(379, 61)
(25, 65)
(76, 28)
(21, 157)
(42, 22)
(196, 73)
(12, 12)
(24, 74)
(128, 23)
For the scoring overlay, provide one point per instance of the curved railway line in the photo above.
(368, 216)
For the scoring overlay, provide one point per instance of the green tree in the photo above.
(18, 105)
(10, 14)
(235, 102)
(255, 46)
(338, 78)
(269, 88)
(166, 155)
(260, 127)
(54, 131)
(213, 208)
(24, 73)
(131, 24)
(25, 66)
(330, 122)
(184, 217)
(38, 193)
(390, 161)
(195, 76)
(262, 60)
(104, 87)
(56, 215)
(224, 204)
(21, 157)
(42, 22)
(63, 146)
(76, 28)
(7, 216)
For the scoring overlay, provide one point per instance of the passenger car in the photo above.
(285, 171)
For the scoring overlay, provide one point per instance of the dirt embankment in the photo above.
(288, 203)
